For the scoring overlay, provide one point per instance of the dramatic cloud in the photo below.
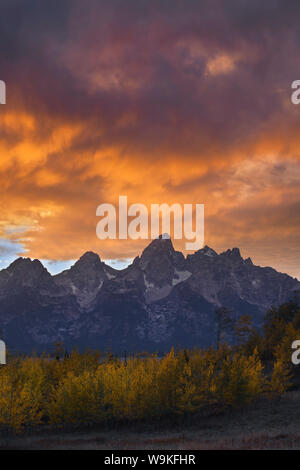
(174, 101)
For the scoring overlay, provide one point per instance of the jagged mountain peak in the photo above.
(160, 251)
(207, 251)
(28, 269)
(163, 242)
(26, 263)
(25, 272)
(232, 253)
(85, 278)
(162, 267)
(89, 262)
(89, 257)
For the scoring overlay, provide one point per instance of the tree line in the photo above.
(87, 388)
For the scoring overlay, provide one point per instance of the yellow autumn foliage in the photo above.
(87, 389)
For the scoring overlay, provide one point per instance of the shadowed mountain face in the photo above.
(161, 300)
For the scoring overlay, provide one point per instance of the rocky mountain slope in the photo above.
(161, 299)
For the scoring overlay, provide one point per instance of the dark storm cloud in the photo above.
(38, 38)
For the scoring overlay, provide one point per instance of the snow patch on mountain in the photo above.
(180, 276)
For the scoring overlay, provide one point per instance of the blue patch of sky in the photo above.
(10, 250)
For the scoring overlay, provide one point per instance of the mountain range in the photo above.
(162, 299)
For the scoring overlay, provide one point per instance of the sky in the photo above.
(165, 102)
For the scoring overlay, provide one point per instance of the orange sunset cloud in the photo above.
(161, 106)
